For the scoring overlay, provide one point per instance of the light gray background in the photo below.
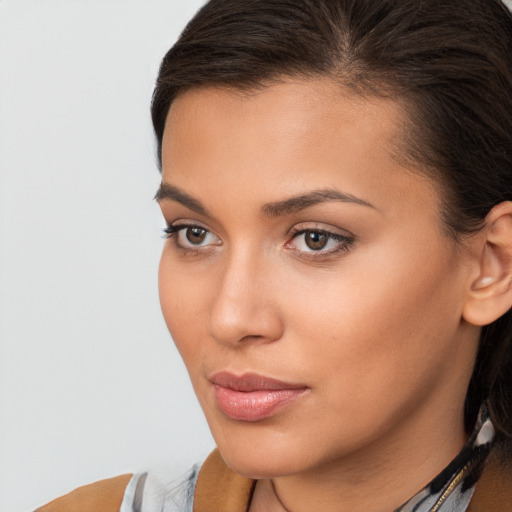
(91, 385)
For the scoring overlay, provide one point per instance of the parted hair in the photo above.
(448, 62)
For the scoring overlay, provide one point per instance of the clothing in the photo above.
(103, 496)
(213, 487)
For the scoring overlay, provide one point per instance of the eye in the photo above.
(191, 236)
(195, 235)
(315, 240)
(319, 241)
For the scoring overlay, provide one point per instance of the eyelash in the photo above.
(172, 232)
(344, 241)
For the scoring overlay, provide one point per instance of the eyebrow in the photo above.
(169, 192)
(275, 209)
(298, 203)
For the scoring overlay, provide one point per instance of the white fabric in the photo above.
(148, 493)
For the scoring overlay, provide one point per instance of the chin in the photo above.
(258, 453)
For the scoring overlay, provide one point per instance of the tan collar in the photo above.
(220, 488)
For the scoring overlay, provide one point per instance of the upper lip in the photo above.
(250, 382)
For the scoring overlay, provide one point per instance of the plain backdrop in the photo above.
(91, 385)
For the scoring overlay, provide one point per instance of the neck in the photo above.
(378, 478)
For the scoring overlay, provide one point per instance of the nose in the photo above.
(245, 309)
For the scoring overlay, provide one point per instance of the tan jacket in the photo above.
(219, 489)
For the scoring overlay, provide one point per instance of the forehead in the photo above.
(285, 138)
(290, 108)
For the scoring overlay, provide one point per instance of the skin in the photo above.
(372, 325)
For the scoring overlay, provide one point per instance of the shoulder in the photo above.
(105, 495)
(143, 492)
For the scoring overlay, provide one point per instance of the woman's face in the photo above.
(307, 280)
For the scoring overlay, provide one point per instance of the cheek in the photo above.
(370, 323)
(182, 303)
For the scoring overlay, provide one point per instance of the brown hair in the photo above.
(449, 61)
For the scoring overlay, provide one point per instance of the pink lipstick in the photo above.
(252, 397)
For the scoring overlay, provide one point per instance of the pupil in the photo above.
(315, 240)
(195, 235)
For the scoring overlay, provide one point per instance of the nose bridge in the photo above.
(244, 307)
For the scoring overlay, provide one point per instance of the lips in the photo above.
(253, 397)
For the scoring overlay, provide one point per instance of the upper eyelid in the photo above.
(177, 225)
(321, 228)
(187, 222)
(296, 231)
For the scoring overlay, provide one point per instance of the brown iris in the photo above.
(316, 240)
(195, 235)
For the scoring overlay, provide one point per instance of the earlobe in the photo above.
(490, 294)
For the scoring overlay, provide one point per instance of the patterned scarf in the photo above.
(452, 489)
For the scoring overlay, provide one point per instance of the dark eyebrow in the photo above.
(166, 191)
(291, 205)
(298, 203)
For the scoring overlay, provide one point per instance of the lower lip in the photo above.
(254, 405)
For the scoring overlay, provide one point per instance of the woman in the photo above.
(337, 185)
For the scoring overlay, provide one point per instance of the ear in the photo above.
(490, 294)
